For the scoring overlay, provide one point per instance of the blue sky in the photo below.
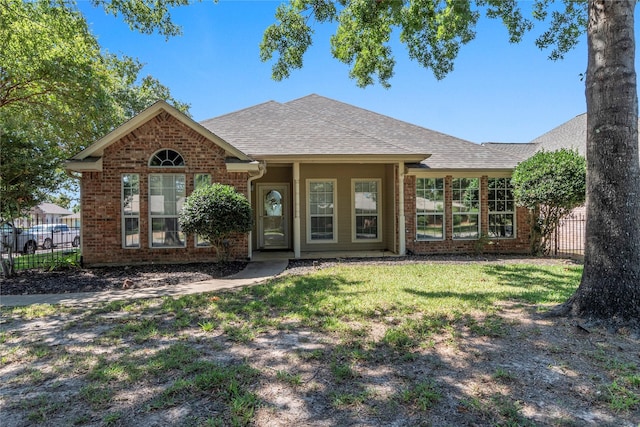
(497, 92)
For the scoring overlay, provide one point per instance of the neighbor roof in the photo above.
(53, 209)
(571, 134)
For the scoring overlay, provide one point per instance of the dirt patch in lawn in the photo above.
(163, 362)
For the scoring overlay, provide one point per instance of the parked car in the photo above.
(20, 241)
(51, 235)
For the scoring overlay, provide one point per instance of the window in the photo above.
(430, 208)
(166, 158)
(366, 209)
(131, 211)
(166, 196)
(466, 208)
(201, 180)
(322, 208)
(501, 208)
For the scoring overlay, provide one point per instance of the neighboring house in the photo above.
(72, 220)
(48, 213)
(321, 175)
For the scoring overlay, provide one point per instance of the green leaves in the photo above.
(27, 170)
(551, 178)
(145, 16)
(215, 212)
(433, 31)
(550, 184)
(59, 92)
(364, 31)
(290, 37)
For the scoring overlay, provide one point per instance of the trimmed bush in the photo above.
(215, 212)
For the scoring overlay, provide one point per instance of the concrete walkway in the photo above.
(255, 272)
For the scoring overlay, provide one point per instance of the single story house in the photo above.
(322, 176)
(48, 213)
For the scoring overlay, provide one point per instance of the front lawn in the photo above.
(353, 344)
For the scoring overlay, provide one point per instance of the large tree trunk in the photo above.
(610, 286)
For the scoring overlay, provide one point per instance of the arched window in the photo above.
(166, 158)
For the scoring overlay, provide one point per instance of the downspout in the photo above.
(262, 169)
(402, 235)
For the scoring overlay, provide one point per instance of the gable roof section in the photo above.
(90, 159)
(447, 152)
(571, 134)
(278, 131)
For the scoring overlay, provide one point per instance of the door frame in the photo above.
(286, 212)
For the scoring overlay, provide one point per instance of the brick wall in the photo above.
(518, 245)
(101, 193)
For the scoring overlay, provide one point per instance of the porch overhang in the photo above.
(342, 158)
(424, 171)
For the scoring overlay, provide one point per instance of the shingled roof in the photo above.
(521, 151)
(316, 126)
(275, 129)
(571, 134)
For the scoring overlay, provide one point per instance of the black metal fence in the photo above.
(569, 238)
(50, 244)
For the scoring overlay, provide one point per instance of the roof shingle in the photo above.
(315, 125)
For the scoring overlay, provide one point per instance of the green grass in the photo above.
(422, 395)
(181, 347)
(352, 293)
(50, 260)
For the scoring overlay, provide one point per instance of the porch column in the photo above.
(296, 210)
(402, 235)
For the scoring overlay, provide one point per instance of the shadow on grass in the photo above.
(537, 285)
(233, 358)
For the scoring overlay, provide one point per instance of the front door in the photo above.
(273, 227)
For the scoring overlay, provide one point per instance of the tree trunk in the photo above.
(610, 286)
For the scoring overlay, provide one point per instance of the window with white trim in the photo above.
(201, 180)
(166, 158)
(430, 208)
(166, 197)
(501, 208)
(321, 208)
(465, 207)
(131, 210)
(366, 209)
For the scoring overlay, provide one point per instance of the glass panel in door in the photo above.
(273, 220)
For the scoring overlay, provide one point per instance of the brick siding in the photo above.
(101, 201)
(101, 193)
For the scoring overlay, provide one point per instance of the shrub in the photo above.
(215, 212)
(550, 184)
